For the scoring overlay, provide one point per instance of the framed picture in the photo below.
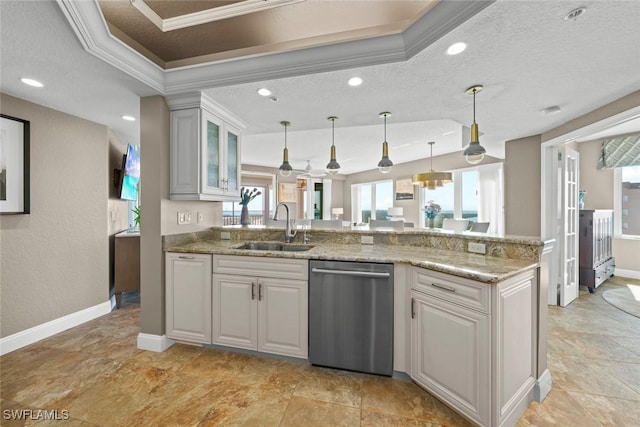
(287, 192)
(404, 189)
(14, 165)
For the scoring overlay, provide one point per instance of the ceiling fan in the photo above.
(310, 172)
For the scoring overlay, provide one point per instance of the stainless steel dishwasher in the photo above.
(351, 316)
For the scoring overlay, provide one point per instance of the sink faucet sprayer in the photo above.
(288, 234)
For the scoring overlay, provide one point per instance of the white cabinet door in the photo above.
(185, 152)
(235, 311)
(451, 354)
(188, 299)
(283, 317)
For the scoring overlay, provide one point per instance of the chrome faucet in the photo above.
(288, 234)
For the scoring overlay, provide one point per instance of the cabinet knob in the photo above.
(413, 308)
(253, 290)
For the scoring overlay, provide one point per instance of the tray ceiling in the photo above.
(287, 26)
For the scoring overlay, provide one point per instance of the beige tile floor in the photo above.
(96, 373)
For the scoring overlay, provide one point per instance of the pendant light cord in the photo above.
(285, 136)
(474, 105)
(385, 128)
(333, 132)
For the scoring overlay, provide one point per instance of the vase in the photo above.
(244, 215)
(430, 222)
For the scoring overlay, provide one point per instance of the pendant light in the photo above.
(285, 167)
(385, 164)
(430, 180)
(333, 166)
(474, 153)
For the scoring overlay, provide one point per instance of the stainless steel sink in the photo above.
(270, 246)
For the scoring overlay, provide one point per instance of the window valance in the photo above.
(620, 152)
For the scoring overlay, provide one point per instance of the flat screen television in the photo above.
(130, 174)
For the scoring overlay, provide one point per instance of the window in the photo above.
(627, 201)
(475, 194)
(371, 200)
(257, 208)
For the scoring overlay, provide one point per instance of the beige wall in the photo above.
(55, 261)
(154, 185)
(522, 187)
(411, 208)
(598, 184)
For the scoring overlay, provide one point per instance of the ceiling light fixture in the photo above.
(333, 166)
(474, 153)
(264, 91)
(456, 48)
(430, 180)
(550, 110)
(385, 164)
(573, 15)
(355, 81)
(285, 167)
(31, 82)
(129, 118)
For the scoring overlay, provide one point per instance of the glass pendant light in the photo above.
(385, 164)
(333, 166)
(285, 167)
(432, 179)
(474, 153)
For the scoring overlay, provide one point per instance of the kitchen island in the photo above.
(467, 327)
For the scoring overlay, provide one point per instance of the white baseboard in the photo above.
(157, 343)
(543, 386)
(45, 330)
(631, 274)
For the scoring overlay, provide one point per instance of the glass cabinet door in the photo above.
(233, 166)
(212, 179)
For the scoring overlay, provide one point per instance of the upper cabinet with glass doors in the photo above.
(205, 150)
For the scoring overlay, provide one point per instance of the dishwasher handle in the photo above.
(350, 272)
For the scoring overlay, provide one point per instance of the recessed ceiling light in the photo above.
(355, 81)
(456, 48)
(31, 82)
(129, 118)
(264, 91)
(550, 110)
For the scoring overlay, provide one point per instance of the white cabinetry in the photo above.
(205, 150)
(261, 304)
(188, 297)
(473, 344)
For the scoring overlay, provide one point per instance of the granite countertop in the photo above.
(481, 268)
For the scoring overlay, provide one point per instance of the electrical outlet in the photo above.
(225, 235)
(478, 248)
(184, 218)
(366, 240)
(200, 217)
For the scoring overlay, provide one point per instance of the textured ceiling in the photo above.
(294, 26)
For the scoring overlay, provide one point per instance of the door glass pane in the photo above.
(443, 196)
(232, 161)
(630, 193)
(213, 154)
(470, 195)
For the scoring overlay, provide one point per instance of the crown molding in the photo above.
(87, 21)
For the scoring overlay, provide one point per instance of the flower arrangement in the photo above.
(248, 195)
(432, 209)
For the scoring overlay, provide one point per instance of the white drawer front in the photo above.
(458, 290)
(282, 268)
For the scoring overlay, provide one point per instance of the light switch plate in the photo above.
(478, 248)
(366, 240)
